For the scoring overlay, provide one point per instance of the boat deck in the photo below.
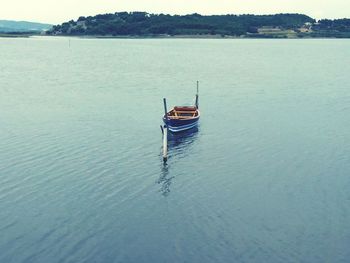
(178, 113)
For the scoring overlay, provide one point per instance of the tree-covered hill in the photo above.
(145, 24)
(339, 28)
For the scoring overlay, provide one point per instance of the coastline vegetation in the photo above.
(142, 24)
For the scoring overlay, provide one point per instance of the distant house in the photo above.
(306, 28)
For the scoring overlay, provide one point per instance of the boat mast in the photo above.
(197, 94)
(165, 109)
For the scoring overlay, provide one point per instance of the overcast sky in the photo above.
(58, 11)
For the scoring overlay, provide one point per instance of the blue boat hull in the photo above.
(175, 125)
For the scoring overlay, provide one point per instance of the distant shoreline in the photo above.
(12, 35)
(28, 35)
(143, 25)
(196, 26)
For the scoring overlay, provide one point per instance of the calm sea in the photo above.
(265, 178)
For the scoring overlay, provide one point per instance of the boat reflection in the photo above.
(181, 140)
(178, 147)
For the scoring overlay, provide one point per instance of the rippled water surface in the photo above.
(266, 178)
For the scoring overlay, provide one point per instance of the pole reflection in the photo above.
(178, 146)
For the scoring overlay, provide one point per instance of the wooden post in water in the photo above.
(165, 134)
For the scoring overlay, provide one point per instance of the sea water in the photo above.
(264, 178)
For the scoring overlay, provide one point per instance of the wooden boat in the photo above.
(181, 118)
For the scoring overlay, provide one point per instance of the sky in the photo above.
(59, 11)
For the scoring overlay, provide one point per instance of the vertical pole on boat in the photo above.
(165, 108)
(165, 134)
(197, 94)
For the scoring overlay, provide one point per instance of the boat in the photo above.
(181, 118)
